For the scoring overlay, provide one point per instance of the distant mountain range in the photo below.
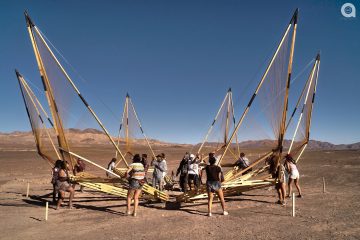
(93, 136)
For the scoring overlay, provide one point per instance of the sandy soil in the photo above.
(333, 215)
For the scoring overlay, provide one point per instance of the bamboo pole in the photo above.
(311, 77)
(256, 90)
(286, 97)
(91, 162)
(78, 92)
(234, 122)
(120, 128)
(127, 125)
(313, 97)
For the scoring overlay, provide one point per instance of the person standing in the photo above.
(111, 167)
(80, 167)
(193, 172)
(183, 171)
(136, 176)
(243, 163)
(214, 177)
(63, 185)
(160, 169)
(55, 176)
(294, 175)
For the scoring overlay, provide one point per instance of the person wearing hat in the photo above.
(294, 175)
(193, 172)
(159, 172)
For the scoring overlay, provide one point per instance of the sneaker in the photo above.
(134, 214)
(209, 215)
(299, 196)
(225, 213)
(128, 213)
(288, 196)
(283, 203)
(278, 202)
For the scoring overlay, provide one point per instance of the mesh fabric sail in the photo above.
(41, 125)
(131, 137)
(301, 135)
(218, 134)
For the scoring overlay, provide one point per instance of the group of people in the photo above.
(136, 175)
(190, 169)
(284, 173)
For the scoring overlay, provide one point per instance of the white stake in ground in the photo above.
(27, 189)
(293, 205)
(46, 211)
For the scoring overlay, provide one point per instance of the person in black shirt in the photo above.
(214, 177)
(183, 171)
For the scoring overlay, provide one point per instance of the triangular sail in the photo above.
(131, 133)
(68, 106)
(217, 136)
(45, 137)
(301, 135)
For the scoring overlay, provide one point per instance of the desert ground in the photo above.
(252, 215)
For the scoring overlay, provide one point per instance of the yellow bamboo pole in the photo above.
(311, 77)
(286, 97)
(91, 162)
(120, 128)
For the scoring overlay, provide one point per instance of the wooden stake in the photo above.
(293, 205)
(27, 189)
(324, 190)
(46, 211)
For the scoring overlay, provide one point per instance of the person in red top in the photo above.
(214, 177)
(80, 167)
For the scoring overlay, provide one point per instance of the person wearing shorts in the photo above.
(63, 185)
(294, 175)
(214, 177)
(136, 175)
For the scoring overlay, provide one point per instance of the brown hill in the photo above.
(83, 137)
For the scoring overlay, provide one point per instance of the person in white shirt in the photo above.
(193, 173)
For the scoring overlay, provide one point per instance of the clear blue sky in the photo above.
(177, 58)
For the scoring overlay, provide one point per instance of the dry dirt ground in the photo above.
(253, 215)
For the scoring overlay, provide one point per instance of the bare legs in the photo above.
(280, 188)
(62, 196)
(296, 182)
(211, 198)
(136, 193)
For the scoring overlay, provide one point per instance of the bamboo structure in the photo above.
(64, 149)
(228, 105)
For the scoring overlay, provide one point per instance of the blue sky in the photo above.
(178, 58)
